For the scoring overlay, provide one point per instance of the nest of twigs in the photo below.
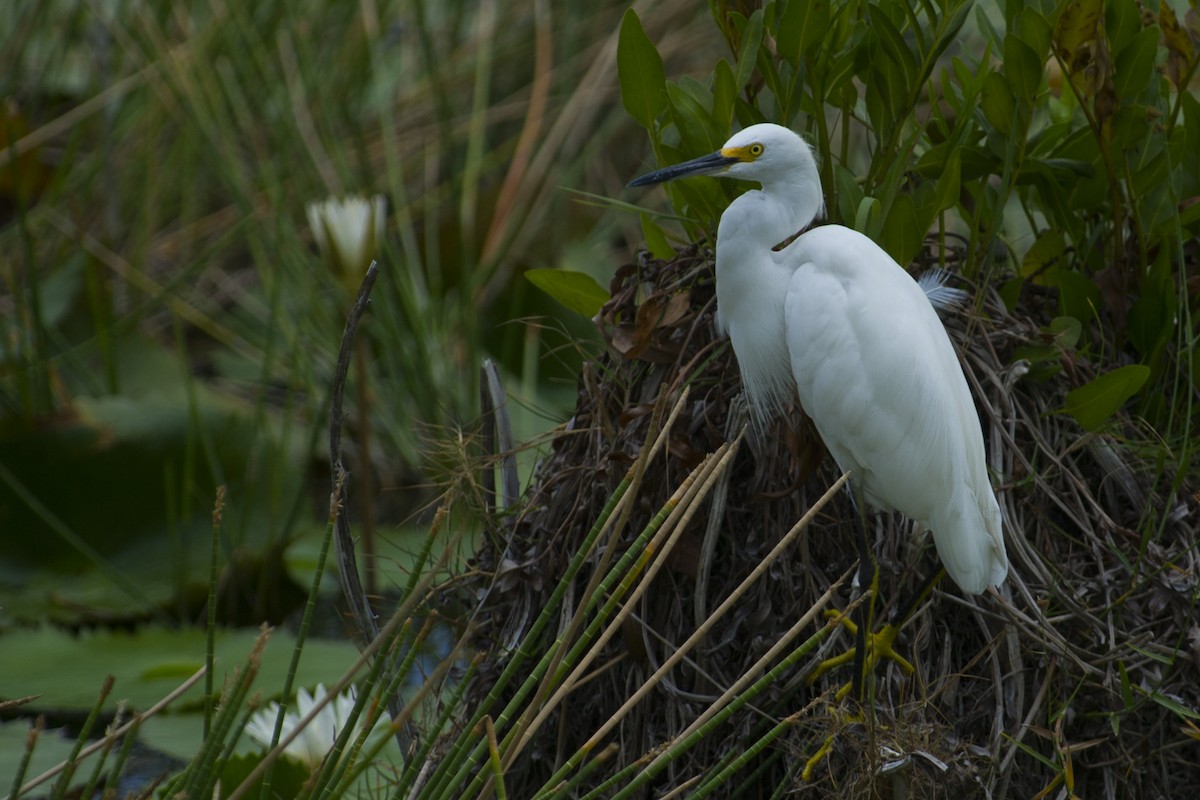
(1078, 676)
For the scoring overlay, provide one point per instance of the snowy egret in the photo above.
(832, 319)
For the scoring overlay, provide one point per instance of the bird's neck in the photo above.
(752, 289)
(774, 213)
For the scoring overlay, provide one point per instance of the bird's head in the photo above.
(760, 153)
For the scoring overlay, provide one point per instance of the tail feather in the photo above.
(970, 541)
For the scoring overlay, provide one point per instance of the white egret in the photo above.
(832, 319)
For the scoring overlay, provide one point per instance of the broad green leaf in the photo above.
(953, 26)
(841, 74)
(656, 240)
(1066, 331)
(693, 121)
(1078, 295)
(747, 56)
(801, 26)
(1122, 20)
(902, 232)
(1096, 401)
(893, 44)
(67, 670)
(1022, 68)
(884, 96)
(577, 291)
(1035, 31)
(949, 183)
(1046, 249)
(849, 194)
(724, 96)
(866, 217)
(998, 102)
(1135, 63)
(53, 746)
(640, 73)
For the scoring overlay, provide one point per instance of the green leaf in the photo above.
(866, 217)
(640, 73)
(949, 183)
(1022, 68)
(1173, 705)
(1096, 401)
(577, 291)
(1066, 331)
(1035, 31)
(849, 194)
(656, 240)
(724, 96)
(801, 26)
(902, 232)
(747, 57)
(893, 44)
(1126, 686)
(1152, 318)
(1044, 251)
(1122, 21)
(1135, 63)
(998, 102)
(693, 121)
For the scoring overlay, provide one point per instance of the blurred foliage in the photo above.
(168, 324)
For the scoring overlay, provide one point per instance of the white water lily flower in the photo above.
(348, 232)
(317, 738)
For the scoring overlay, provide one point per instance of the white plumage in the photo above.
(834, 320)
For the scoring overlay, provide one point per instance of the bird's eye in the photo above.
(756, 149)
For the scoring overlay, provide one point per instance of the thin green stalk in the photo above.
(742, 758)
(113, 779)
(334, 766)
(494, 759)
(611, 587)
(310, 607)
(128, 729)
(386, 639)
(59, 790)
(210, 638)
(592, 593)
(202, 773)
(553, 655)
(358, 760)
(441, 782)
(735, 697)
(570, 788)
(641, 573)
(682, 650)
(412, 771)
(35, 730)
(105, 749)
(468, 207)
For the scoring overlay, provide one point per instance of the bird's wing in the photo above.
(877, 373)
(875, 370)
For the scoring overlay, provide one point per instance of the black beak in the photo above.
(704, 165)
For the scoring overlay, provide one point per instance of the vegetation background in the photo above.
(171, 327)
